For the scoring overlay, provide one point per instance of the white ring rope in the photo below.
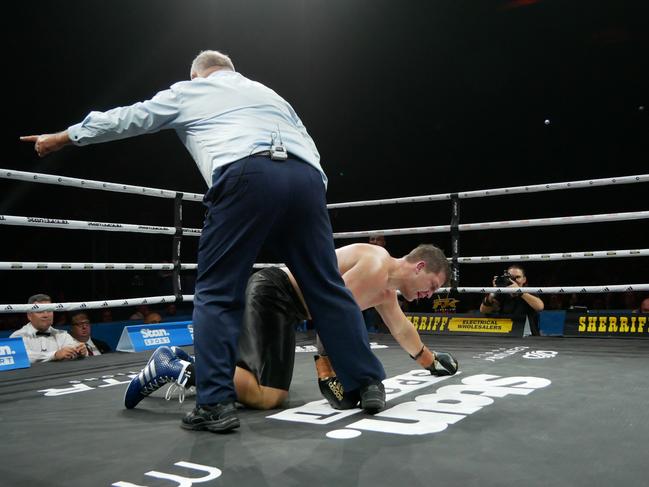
(195, 232)
(596, 254)
(30, 221)
(105, 186)
(116, 303)
(164, 193)
(99, 185)
(641, 178)
(611, 288)
(538, 222)
(89, 266)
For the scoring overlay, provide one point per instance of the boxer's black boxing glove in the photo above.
(438, 364)
(445, 364)
(335, 394)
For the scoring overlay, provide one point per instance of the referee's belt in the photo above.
(266, 153)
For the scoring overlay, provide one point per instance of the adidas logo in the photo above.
(147, 374)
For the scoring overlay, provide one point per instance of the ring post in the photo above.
(455, 240)
(175, 259)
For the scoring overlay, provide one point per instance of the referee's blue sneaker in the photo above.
(165, 365)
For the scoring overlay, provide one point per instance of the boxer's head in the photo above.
(427, 270)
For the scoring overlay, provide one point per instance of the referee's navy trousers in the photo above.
(254, 201)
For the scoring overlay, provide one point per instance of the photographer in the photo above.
(514, 304)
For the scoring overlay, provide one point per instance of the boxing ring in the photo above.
(521, 411)
(577, 417)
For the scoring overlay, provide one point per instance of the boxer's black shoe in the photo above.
(373, 397)
(218, 418)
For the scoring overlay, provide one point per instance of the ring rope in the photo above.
(116, 303)
(30, 221)
(89, 266)
(640, 178)
(538, 222)
(105, 186)
(597, 254)
(98, 185)
(611, 288)
(195, 232)
(164, 193)
(97, 266)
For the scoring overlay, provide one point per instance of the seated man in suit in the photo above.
(81, 330)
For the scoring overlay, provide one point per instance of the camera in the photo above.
(504, 280)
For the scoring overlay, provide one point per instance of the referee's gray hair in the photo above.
(38, 298)
(210, 59)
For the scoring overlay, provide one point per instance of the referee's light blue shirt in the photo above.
(220, 119)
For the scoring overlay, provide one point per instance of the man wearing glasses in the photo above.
(80, 330)
(514, 304)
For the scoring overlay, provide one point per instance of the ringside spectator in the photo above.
(81, 331)
(515, 304)
(152, 318)
(43, 342)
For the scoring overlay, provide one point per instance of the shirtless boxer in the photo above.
(274, 305)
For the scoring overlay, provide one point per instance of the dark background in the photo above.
(402, 98)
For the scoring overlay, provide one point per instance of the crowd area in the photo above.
(50, 336)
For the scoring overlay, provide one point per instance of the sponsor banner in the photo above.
(445, 304)
(611, 324)
(467, 324)
(138, 338)
(13, 354)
